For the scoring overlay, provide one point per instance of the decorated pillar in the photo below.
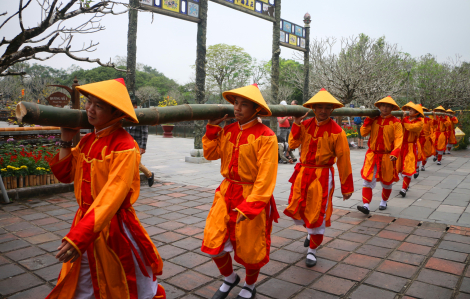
(307, 21)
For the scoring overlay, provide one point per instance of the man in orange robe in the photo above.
(408, 160)
(441, 123)
(425, 145)
(323, 142)
(451, 133)
(107, 253)
(386, 136)
(243, 210)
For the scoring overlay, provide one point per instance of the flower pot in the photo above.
(44, 179)
(20, 182)
(4, 179)
(48, 179)
(168, 131)
(14, 180)
(37, 180)
(26, 181)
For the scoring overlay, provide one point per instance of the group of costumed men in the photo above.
(108, 253)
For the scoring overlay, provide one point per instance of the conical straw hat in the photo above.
(418, 108)
(323, 97)
(113, 92)
(388, 100)
(450, 111)
(440, 108)
(409, 105)
(251, 93)
(424, 108)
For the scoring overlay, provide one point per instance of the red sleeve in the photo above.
(63, 169)
(295, 131)
(368, 121)
(212, 131)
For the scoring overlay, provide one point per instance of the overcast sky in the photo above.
(441, 28)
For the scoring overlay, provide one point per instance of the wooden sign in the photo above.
(183, 9)
(58, 99)
(292, 35)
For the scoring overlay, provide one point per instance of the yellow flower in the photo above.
(11, 167)
(24, 167)
(4, 169)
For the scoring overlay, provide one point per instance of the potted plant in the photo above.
(167, 128)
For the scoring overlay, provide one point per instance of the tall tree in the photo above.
(228, 67)
(146, 94)
(132, 47)
(42, 41)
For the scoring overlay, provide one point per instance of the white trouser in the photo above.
(372, 183)
(146, 287)
(321, 229)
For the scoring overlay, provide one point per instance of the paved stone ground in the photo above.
(439, 194)
(361, 257)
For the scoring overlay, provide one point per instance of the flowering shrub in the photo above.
(350, 131)
(18, 159)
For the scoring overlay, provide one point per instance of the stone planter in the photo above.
(168, 131)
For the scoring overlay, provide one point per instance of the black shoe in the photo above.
(416, 174)
(306, 242)
(434, 159)
(444, 153)
(310, 263)
(363, 209)
(221, 295)
(422, 168)
(295, 160)
(402, 193)
(253, 293)
(151, 179)
(383, 207)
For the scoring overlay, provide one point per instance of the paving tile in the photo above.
(309, 293)
(297, 246)
(298, 275)
(381, 242)
(190, 259)
(465, 286)
(450, 255)
(286, 256)
(277, 241)
(341, 226)
(365, 230)
(426, 291)
(13, 245)
(445, 266)
(188, 243)
(428, 233)
(374, 251)
(9, 270)
(438, 278)
(152, 230)
(171, 225)
(374, 224)
(392, 235)
(463, 296)
(355, 237)
(399, 228)
(278, 288)
(322, 265)
(333, 233)
(51, 272)
(50, 246)
(18, 226)
(273, 267)
(38, 262)
(42, 238)
(343, 245)
(333, 285)
(38, 292)
(34, 216)
(331, 254)
(349, 220)
(414, 248)
(169, 251)
(209, 268)
(380, 218)
(209, 290)
(290, 234)
(406, 222)
(168, 237)
(454, 246)
(349, 272)
(367, 292)
(422, 240)
(189, 280)
(170, 269)
(364, 261)
(19, 283)
(24, 253)
(407, 258)
(398, 269)
(387, 281)
(189, 230)
(457, 238)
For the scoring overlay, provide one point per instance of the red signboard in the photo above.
(58, 99)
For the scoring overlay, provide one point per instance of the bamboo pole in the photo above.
(32, 113)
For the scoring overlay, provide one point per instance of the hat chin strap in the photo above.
(256, 112)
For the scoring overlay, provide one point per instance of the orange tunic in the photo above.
(453, 121)
(409, 150)
(105, 170)
(425, 145)
(441, 123)
(248, 156)
(322, 144)
(386, 137)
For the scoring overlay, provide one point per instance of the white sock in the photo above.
(309, 256)
(244, 293)
(230, 279)
(403, 190)
(308, 236)
(366, 205)
(383, 203)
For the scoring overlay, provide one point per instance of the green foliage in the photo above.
(287, 67)
(464, 125)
